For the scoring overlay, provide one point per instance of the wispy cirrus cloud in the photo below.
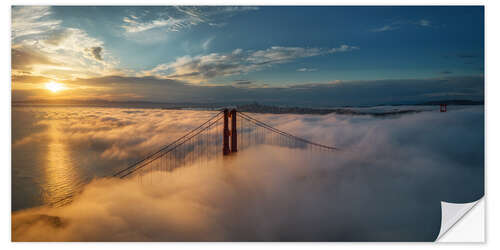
(33, 20)
(180, 17)
(385, 28)
(204, 67)
(206, 44)
(307, 69)
(132, 25)
(401, 23)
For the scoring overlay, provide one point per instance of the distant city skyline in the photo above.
(291, 55)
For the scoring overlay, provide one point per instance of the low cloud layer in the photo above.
(385, 184)
(335, 93)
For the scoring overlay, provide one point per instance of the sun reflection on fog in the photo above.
(60, 174)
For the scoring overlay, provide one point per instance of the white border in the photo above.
(249, 2)
(492, 24)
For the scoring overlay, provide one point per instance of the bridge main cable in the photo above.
(171, 149)
(275, 130)
(166, 147)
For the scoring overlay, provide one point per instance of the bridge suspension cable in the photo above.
(168, 148)
(275, 130)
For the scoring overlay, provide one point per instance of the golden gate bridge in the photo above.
(223, 135)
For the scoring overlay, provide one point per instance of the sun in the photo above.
(54, 86)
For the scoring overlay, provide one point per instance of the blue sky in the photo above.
(244, 47)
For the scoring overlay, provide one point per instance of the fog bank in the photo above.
(385, 184)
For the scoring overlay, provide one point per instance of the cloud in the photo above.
(424, 22)
(33, 20)
(30, 79)
(206, 44)
(204, 67)
(180, 17)
(242, 82)
(24, 58)
(385, 184)
(171, 24)
(332, 93)
(42, 46)
(57, 36)
(281, 54)
(96, 52)
(385, 28)
(395, 25)
(306, 69)
(343, 48)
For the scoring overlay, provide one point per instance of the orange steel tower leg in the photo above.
(234, 136)
(225, 141)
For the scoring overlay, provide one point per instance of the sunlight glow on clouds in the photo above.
(151, 128)
(42, 46)
(177, 47)
(31, 21)
(55, 86)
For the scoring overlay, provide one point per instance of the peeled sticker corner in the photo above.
(451, 213)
